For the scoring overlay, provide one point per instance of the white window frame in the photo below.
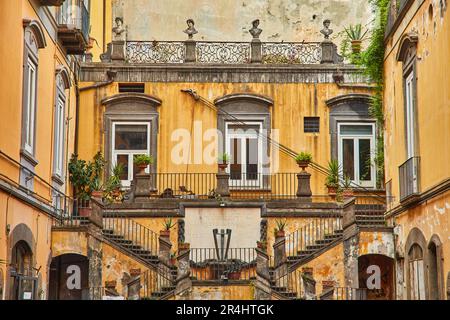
(130, 153)
(59, 134)
(356, 138)
(228, 136)
(30, 112)
(410, 118)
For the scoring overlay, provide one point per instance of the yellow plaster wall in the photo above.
(328, 266)
(157, 224)
(292, 102)
(433, 97)
(228, 292)
(67, 242)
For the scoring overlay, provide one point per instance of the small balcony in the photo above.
(73, 26)
(409, 173)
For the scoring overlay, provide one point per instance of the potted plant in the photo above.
(347, 186)
(183, 246)
(223, 161)
(142, 161)
(303, 159)
(332, 179)
(279, 230)
(356, 35)
(173, 259)
(168, 224)
(234, 272)
(85, 178)
(262, 245)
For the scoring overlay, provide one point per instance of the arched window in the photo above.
(435, 268)
(34, 40)
(62, 84)
(416, 273)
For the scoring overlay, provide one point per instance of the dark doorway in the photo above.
(69, 277)
(376, 274)
(433, 272)
(24, 280)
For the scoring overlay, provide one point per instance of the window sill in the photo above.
(59, 180)
(29, 157)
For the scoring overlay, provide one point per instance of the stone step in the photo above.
(314, 247)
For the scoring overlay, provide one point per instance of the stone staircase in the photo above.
(370, 215)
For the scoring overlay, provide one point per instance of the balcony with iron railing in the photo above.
(73, 22)
(409, 174)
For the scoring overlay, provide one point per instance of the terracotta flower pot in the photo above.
(97, 194)
(307, 270)
(261, 245)
(184, 246)
(280, 234)
(348, 193)
(332, 191)
(303, 164)
(164, 233)
(142, 168)
(234, 275)
(356, 46)
(222, 166)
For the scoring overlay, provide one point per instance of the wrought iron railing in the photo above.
(291, 53)
(304, 241)
(409, 173)
(184, 185)
(346, 293)
(118, 225)
(223, 52)
(74, 14)
(210, 52)
(289, 283)
(211, 264)
(155, 52)
(155, 284)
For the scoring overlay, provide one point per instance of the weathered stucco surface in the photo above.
(232, 292)
(376, 243)
(288, 20)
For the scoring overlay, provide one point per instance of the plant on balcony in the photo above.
(356, 35)
(173, 259)
(303, 159)
(85, 178)
(224, 159)
(262, 245)
(332, 179)
(168, 224)
(347, 187)
(234, 272)
(142, 161)
(112, 190)
(279, 230)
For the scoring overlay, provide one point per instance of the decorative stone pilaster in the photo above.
(181, 231)
(304, 186)
(143, 186)
(223, 187)
(183, 281)
(94, 255)
(262, 285)
(118, 51)
(190, 46)
(279, 249)
(349, 219)
(256, 51)
(164, 247)
(328, 51)
(351, 244)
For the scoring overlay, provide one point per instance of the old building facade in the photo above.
(223, 105)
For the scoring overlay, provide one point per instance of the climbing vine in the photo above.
(372, 59)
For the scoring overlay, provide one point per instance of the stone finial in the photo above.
(326, 31)
(255, 31)
(119, 30)
(190, 31)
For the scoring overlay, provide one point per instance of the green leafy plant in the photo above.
(143, 159)
(332, 179)
(168, 224)
(224, 158)
(281, 226)
(113, 185)
(304, 156)
(355, 32)
(86, 176)
(346, 182)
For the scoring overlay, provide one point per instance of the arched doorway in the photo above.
(376, 274)
(435, 274)
(24, 280)
(415, 265)
(69, 277)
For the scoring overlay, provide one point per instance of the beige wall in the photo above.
(225, 20)
(231, 292)
(244, 223)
